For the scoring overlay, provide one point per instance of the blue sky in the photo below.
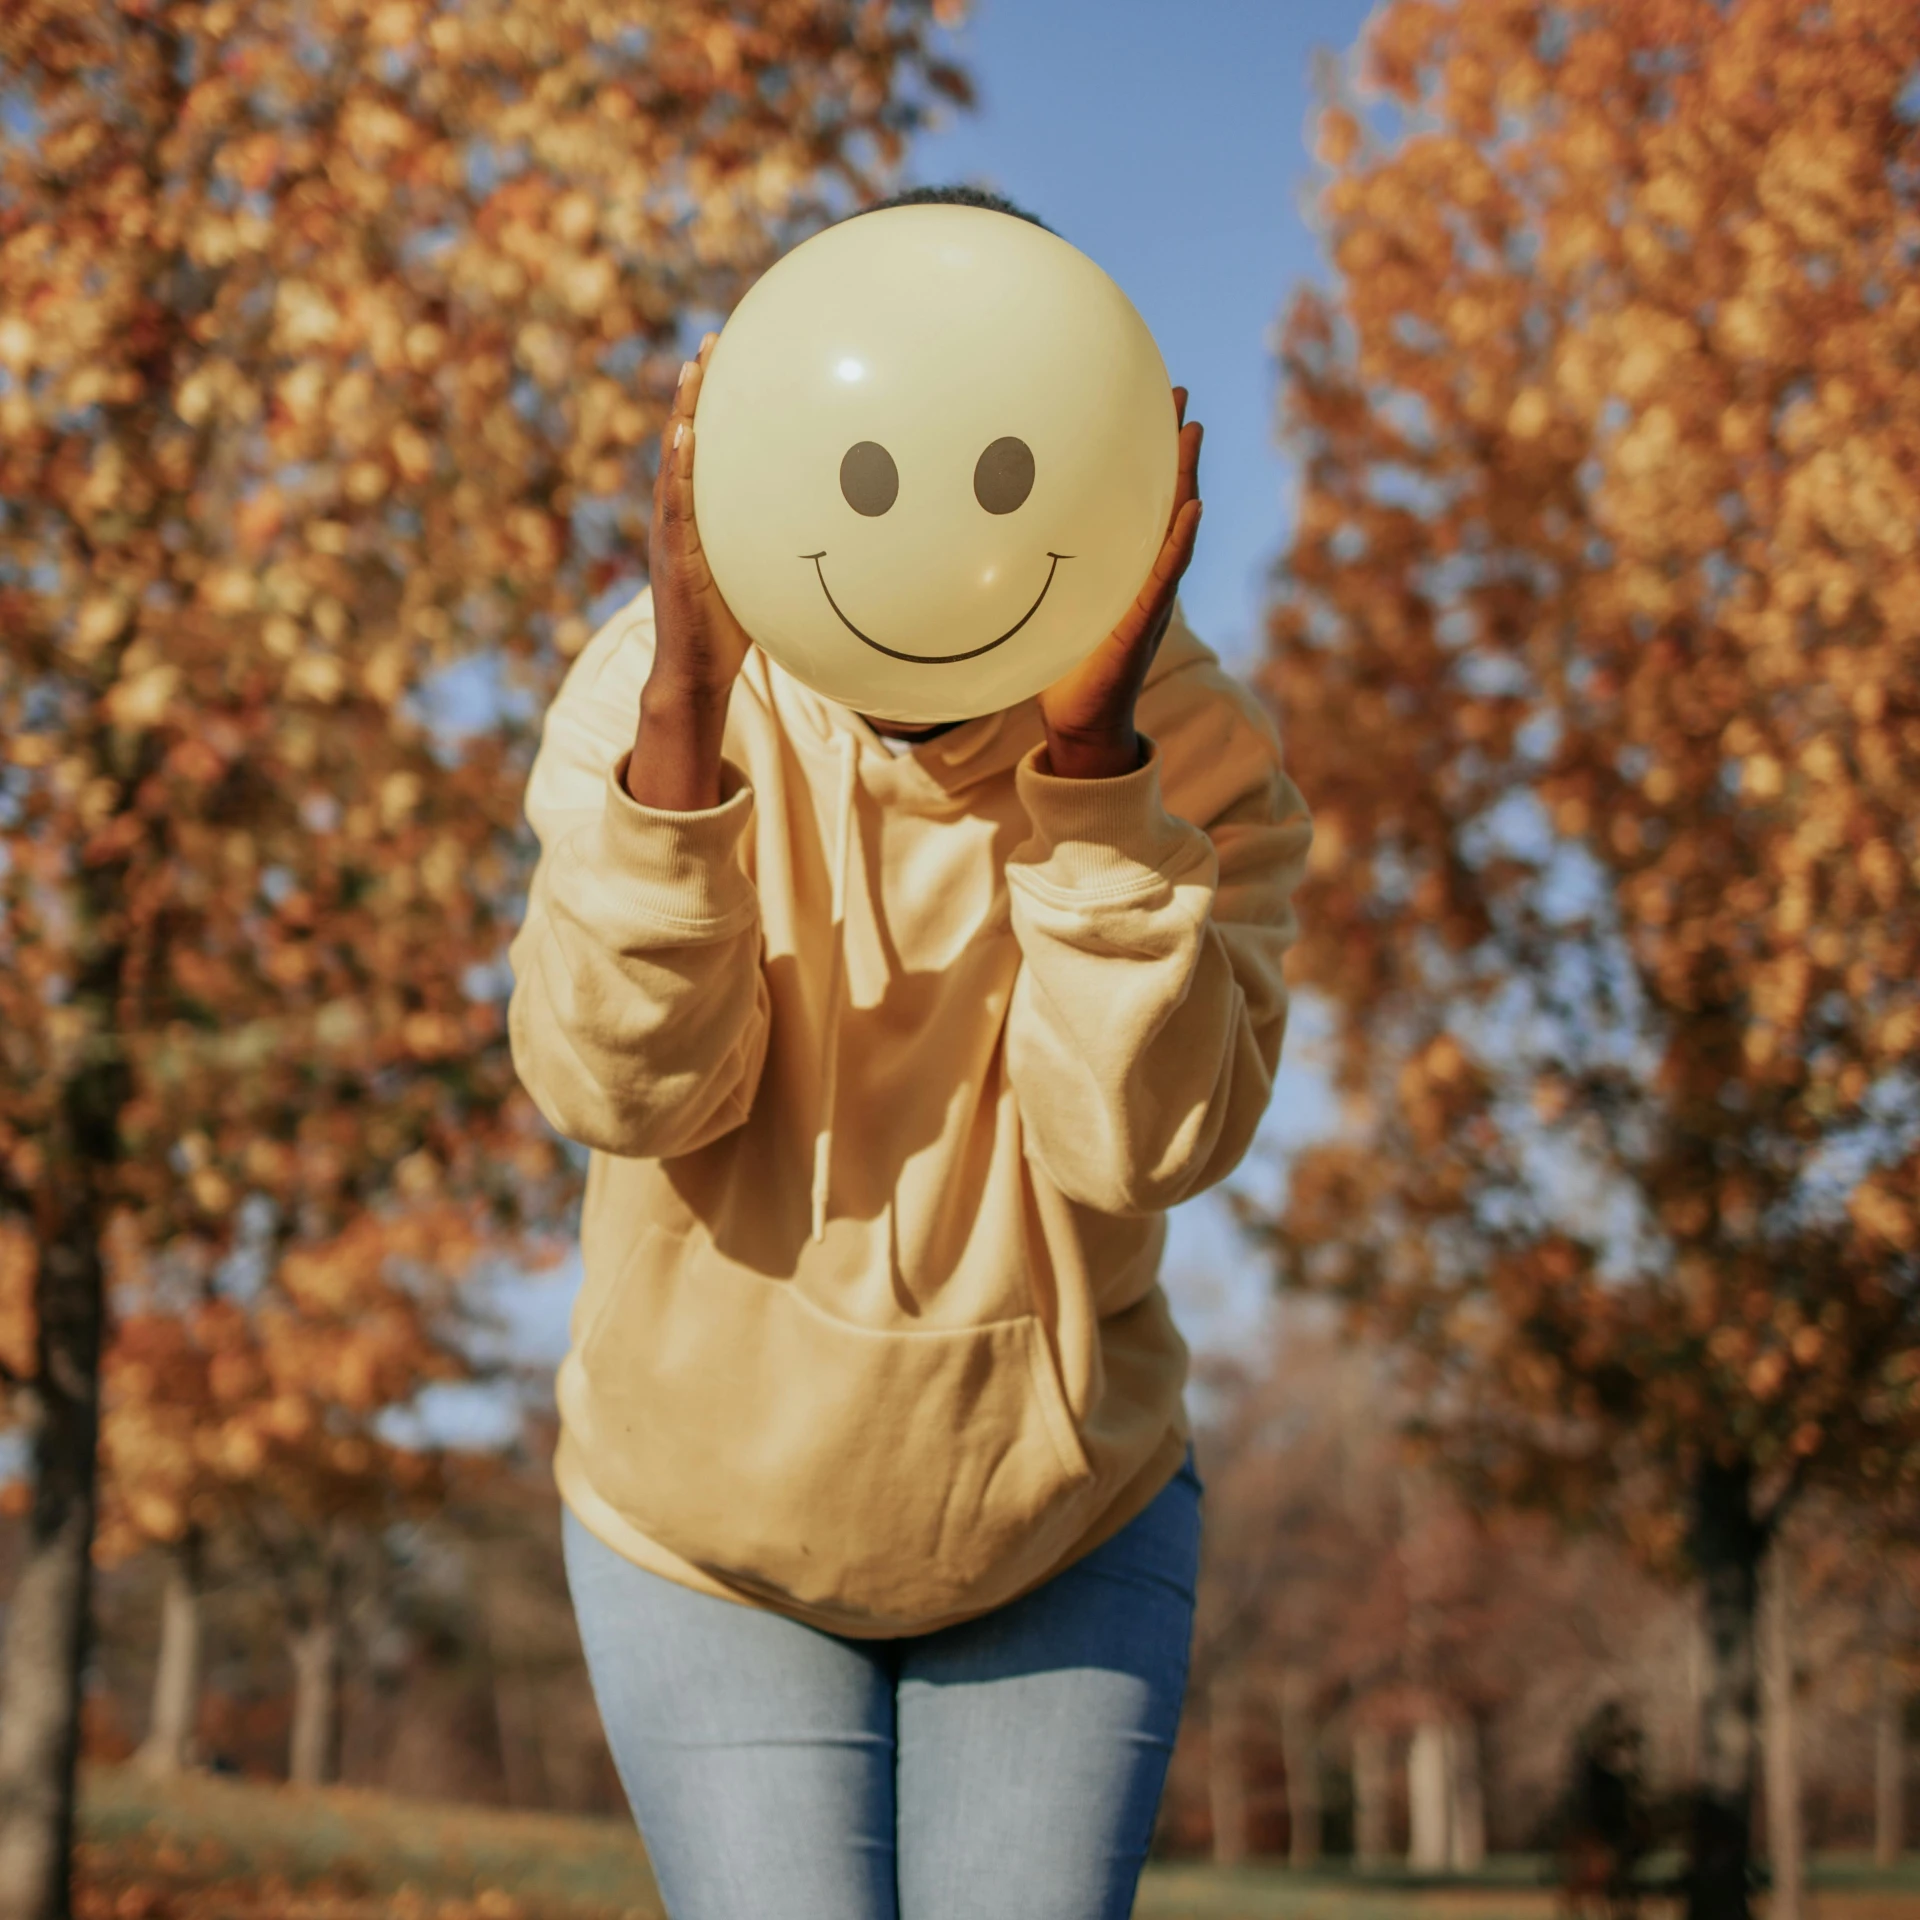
(1170, 143)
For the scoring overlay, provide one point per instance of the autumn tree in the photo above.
(1598, 650)
(258, 1431)
(332, 333)
(1357, 1608)
(1298, 1602)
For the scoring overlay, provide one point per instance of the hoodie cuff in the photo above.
(682, 867)
(1102, 836)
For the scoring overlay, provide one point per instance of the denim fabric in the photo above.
(1008, 1768)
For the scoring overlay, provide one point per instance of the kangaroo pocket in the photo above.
(880, 1479)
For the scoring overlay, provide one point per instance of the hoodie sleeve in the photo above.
(639, 1014)
(1146, 1021)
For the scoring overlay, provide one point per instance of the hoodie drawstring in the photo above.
(849, 750)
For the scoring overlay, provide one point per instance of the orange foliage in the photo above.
(214, 1417)
(333, 334)
(1599, 658)
(19, 1267)
(332, 339)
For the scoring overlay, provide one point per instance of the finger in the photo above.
(678, 409)
(680, 530)
(1192, 437)
(686, 400)
(1186, 485)
(1158, 631)
(1180, 405)
(693, 376)
(1176, 553)
(1155, 598)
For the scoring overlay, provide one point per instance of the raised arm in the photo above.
(639, 1013)
(1145, 1027)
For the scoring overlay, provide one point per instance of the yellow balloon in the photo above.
(935, 455)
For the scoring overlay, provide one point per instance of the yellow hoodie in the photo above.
(890, 1067)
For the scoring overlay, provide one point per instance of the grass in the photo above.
(205, 1848)
(219, 1847)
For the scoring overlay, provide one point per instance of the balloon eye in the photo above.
(868, 478)
(1003, 476)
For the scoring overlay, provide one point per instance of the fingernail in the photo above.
(679, 431)
(686, 367)
(707, 340)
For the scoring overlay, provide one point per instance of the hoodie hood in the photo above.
(932, 778)
(965, 755)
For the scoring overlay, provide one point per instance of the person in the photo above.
(1606, 1824)
(893, 1046)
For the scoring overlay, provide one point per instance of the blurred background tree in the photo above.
(1381, 1672)
(1598, 652)
(331, 339)
(255, 1436)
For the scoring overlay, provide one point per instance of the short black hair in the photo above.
(980, 197)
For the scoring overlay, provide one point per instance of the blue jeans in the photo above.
(1008, 1768)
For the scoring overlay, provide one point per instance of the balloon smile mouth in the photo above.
(934, 659)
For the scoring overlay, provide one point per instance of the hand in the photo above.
(698, 644)
(1088, 712)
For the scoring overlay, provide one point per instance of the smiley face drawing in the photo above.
(937, 452)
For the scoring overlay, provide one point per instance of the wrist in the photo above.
(675, 763)
(686, 702)
(1093, 756)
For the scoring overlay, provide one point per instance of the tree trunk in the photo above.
(1372, 1799)
(1693, 1701)
(1300, 1751)
(46, 1650)
(1430, 1797)
(313, 1747)
(1786, 1838)
(169, 1746)
(1889, 1767)
(1467, 1827)
(1728, 1545)
(47, 1621)
(516, 1722)
(516, 1719)
(1227, 1769)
